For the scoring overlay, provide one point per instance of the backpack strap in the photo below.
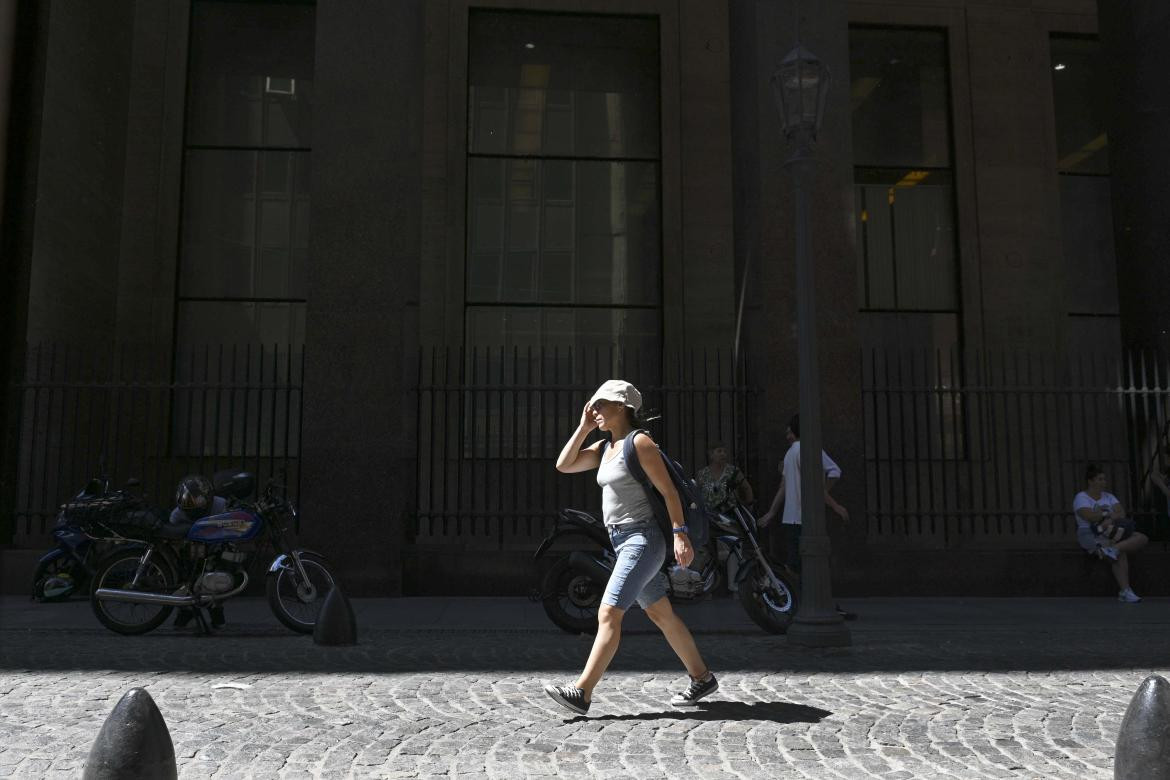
(631, 455)
(657, 502)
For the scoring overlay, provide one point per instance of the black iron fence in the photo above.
(960, 450)
(988, 448)
(492, 421)
(150, 414)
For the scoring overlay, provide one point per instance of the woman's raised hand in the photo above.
(588, 423)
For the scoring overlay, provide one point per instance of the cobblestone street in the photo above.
(975, 690)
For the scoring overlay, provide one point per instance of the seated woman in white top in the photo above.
(1103, 530)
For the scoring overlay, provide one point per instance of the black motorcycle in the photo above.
(69, 568)
(573, 586)
(201, 564)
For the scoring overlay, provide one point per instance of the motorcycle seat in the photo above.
(174, 530)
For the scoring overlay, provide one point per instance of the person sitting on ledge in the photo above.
(1104, 530)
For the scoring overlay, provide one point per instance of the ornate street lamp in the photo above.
(800, 85)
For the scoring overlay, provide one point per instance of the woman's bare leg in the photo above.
(1132, 544)
(1121, 565)
(605, 644)
(1121, 569)
(678, 636)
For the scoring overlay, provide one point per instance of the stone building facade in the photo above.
(369, 180)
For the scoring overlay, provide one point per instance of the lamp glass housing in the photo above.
(799, 87)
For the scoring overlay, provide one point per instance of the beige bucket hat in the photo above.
(618, 390)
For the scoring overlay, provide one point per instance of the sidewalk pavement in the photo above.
(723, 615)
(451, 687)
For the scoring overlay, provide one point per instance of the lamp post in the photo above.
(799, 86)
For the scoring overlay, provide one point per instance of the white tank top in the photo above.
(623, 499)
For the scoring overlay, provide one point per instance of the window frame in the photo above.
(954, 153)
(1074, 315)
(187, 147)
(467, 302)
(255, 396)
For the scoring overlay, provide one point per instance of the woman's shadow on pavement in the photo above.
(774, 711)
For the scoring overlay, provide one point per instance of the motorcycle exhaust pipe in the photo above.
(138, 597)
(584, 563)
(166, 599)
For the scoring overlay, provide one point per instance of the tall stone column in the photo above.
(7, 248)
(361, 330)
(1018, 231)
(73, 272)
(1133, 36)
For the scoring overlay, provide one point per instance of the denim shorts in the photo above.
(637, 574)
(1089, 541)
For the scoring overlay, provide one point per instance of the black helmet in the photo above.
(194, 493)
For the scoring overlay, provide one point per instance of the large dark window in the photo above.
(1079, 91)
(1079, 87)
(907, 258)
(903, 172)
(245, 215)
(244, 238)
(563, 181)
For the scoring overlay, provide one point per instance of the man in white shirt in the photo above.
(789, 495)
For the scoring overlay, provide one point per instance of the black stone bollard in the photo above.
(335, 622)
(1143, 743)
(134, 743)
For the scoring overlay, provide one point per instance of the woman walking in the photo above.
(637, 540)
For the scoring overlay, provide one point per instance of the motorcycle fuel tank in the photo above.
(233, 526)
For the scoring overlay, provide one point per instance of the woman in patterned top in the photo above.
(722, 482)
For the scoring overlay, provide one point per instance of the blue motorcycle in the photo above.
(201, 564)
(68, 568)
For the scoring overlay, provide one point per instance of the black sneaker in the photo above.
(572, 699)
(695, 691)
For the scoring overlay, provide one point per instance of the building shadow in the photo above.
(553, 653)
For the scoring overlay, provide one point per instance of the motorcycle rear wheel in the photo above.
(116, 571)
(284, 596)
(769, 608)
(571, 599)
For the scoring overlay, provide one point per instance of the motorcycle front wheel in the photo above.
(571, 599)
(117, 571)
(61, 569)
(770, 607)
(293, 603)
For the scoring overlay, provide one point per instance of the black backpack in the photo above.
(695, 513)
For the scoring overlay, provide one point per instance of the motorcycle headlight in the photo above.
(61, 519)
